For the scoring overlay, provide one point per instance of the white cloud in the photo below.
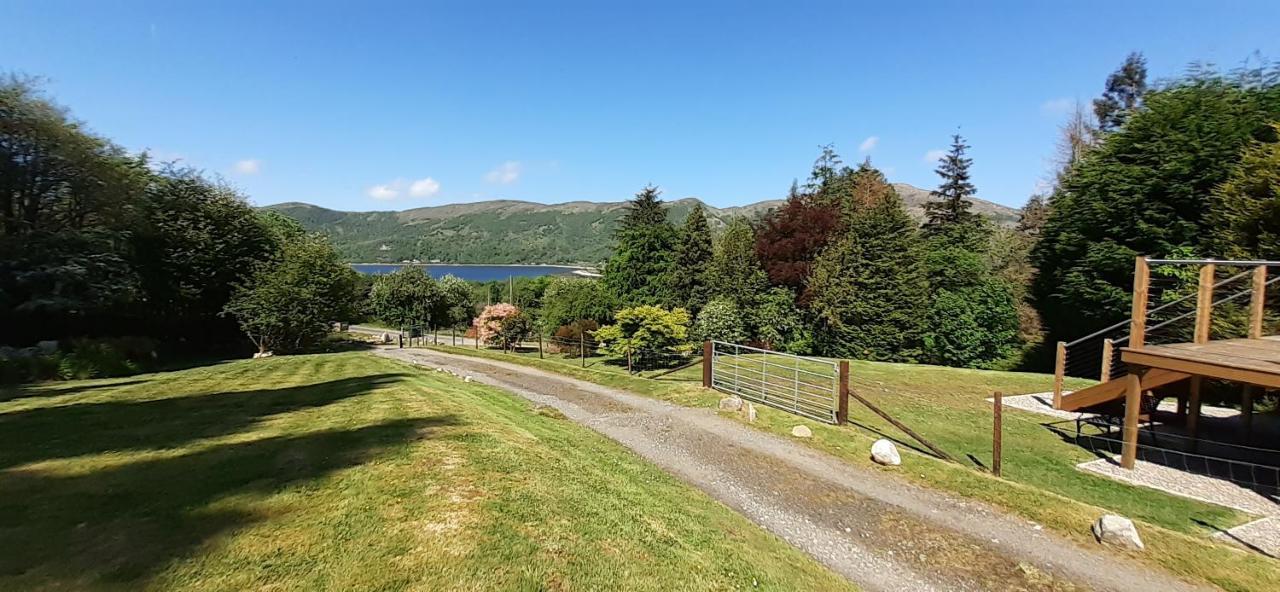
(933, 156)
(869, 144)
(248, 166)
(505, 173)
(386, 191)
(424, 187)
(1059, 106)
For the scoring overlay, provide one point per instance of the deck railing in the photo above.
(1176, 304)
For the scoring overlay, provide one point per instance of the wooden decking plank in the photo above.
(1222, 367)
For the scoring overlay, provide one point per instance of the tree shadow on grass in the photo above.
(120, 525)
(32, 435)
(24, 392)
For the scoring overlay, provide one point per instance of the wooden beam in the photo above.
(1193, 407)
(1209, 365)
(1204, 304)
(1138, 317)
(1132, 405)
(1107, 353)
(1257, 301)
(1109, 391)
(1059, 370)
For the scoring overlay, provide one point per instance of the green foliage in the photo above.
(512, 329)
(949, 218)
(868, 289)
(569, 300)
(721, 320)
(642, 259)
(1245, 209)
(735, 273)
(1123, 94)
(646, 335)
(1145, 191)
(779, 325)
(288, 304)
(688, 276)
(409, 297)
(972, 317)
(455, 305)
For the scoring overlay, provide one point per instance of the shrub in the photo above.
(721, 320)
(569, 339)
(103, 358)
(646, 335)
(494, 328)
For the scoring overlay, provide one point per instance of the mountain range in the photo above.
(511, 232)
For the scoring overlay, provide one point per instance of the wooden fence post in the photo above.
(997, 432)
(842, 395)
(1059, 369)
(706, 363)
(1204, 304)
(539, 345)
(1138, 317)
(1107, 352)
(582, 347)
(1257, 301)
(453, 336)
(629, 362)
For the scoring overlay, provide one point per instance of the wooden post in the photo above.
(1138, 317)
(707, 354)
(997, 431)
(842, 394)
(1059, 369)
(539, 345)
(1132, 406)
(1246, 411)
(1107, 352)
(1204, 304)
(1193, 408)
(1257, 300)
(629, 362)
(582, 346)
(453, 336)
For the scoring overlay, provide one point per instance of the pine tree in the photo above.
(868, 289)
(1125, 89)
(637, 272)
(1245, 212)
(735, 273)
(688, 278)
(949, 215)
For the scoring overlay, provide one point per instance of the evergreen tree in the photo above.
(638, 271)
(949, 215)
(791, 237)
(868, 288)
(735, 273)
(1144, 191)
(1245, 212)
(972, 316)
(688, 278)
(1123, 95)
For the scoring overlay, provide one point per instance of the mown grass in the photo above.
(348, 472)
(949, 406)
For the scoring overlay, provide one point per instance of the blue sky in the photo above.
(375, 105)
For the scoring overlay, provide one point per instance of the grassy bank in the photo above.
(350, 472)
(949, 406)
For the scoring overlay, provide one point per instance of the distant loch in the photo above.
(475, 273)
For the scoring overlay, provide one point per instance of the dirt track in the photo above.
(876, 530)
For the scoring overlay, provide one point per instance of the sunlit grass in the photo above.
(348, 472)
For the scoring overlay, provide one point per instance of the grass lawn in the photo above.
(949, 406)
(350, 472)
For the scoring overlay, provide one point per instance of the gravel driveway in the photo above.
(878, 531)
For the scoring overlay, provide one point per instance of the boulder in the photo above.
(47, 346)
(885, 453)
(1117, 530)
(467, 379)
(262, 355)
(802, 432)
(385, 337)
(730, 404)
(751, 412)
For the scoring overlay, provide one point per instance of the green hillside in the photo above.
(574, 233)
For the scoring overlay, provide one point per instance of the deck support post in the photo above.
(1138, 317)
(1257, 301)
(1059, 369)
(1132, 405)
(1107, 352)
(1246, 412)
(1193, 408)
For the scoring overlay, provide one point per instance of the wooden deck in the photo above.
(1248, 361)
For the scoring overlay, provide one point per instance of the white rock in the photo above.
(385, 337)
(885, 453)
(467, 379)
(262, 355)
(1117, 530)
(730, 404)
(751, 412)
(802, 432)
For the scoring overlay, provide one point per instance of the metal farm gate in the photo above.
(809, 387)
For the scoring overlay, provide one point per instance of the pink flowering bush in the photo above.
(489, 324)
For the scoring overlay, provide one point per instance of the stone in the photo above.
(385, 337)
(751, 412)
(730, 404)
(467, 379)
(262, 355)
(885, 453)
(47, 346)
(1117, 530)
(802, 432)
